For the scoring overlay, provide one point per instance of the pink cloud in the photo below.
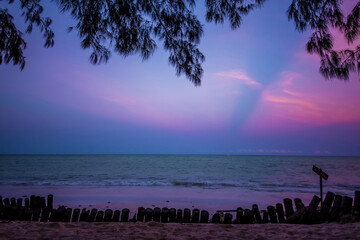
(239, 76)
(298, 100)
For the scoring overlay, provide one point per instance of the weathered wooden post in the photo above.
(228, 218)
(13, 202)
(289, 210)
(215, 218)
(108, 215)
(356, 210)
(195, 215)
(256, 212)
(27, 203)
(45, 215)
(99, 216)
(148, 214)
(179, 216)
(298, 204)
(61, 213)
(172, 215)
(67, 215)
(240, 215)
(19, 203)
(187, 215)
(164, 215)
(248, 216)
(272, 214)
(50, 200)
(84, 216)
(346, 205)
(92, 216)
(141, 214)
(280, 212)
(322, 175)
(335, 210)
(125, 215)
(157, 214)
(116, 216)
(265, 218)
(325, 207)
(204, 216)
(75, 216)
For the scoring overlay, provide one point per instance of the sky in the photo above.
(261, 93)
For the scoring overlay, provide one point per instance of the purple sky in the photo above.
(261, 93)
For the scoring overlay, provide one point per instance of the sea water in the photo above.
(204, 174)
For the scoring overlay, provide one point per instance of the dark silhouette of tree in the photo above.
(133, 26)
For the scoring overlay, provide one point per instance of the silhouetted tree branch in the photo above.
(134, 27)
(319, 16)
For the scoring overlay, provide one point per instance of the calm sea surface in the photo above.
(253, 173)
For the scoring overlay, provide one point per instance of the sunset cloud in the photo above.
(239, 76)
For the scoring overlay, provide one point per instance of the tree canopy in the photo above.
(133, 26)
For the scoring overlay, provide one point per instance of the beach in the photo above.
(157, 231)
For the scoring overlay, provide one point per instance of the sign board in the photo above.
(319, 172)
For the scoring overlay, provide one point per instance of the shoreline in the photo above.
(176, 231)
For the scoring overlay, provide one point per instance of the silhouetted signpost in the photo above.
(322, 175)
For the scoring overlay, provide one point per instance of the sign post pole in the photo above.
(322, 175)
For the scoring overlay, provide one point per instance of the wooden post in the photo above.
(92, 216)
(116, 216)
(61, 213)
(75, 216)
(314, 203)
(195, 215)
(172, 215)
(1, 202)
(45, 215)
(356, 210)
(84, 216)
(346, 205)
(125, 215)
(265, 218)
(215, 218)
(99, 216)
(157, 214)
(50, 200)
(298, 204)
(240, 215)
(141, 214)
(19, 203)
(36, 215)
(67, 215)
(204, 216)
(335, 210)
(325, 207)
(148, 214)
(228, 218)
(272, 214)
(280, 212)
(256, 212)
(27, 203)
(164, 215)
(13, 202)
(179, 216)
(289, 210)
(248, 216)
(187, 215)
(108, 215)
(42, 203)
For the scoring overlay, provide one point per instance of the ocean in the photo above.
(141, 178)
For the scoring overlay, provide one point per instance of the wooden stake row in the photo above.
(333, 208)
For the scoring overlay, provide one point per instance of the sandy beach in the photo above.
(154, 230)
